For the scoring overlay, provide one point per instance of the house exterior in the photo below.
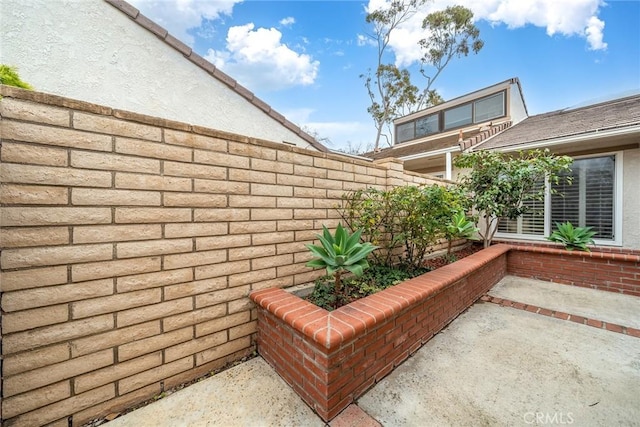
(603, 138)
(428, 140)
(604, 141)
(106, 52)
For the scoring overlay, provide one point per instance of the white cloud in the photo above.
(288, 21)
(364, 40)
(594, 33)
(258, 59)
(178, 16)
(565, 17)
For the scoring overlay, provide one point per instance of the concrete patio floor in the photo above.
(493, 365)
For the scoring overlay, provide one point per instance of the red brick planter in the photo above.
(331, 358)
(613, 271)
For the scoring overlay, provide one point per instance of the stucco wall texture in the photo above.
(91, 51)
(130, 245)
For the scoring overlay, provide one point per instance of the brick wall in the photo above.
(130, 245)
(332, 358)
(610, 269)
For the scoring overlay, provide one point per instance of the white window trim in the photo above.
(617, 208)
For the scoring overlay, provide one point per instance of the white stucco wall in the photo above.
(631, 199)
(89, 50)
(517, 110)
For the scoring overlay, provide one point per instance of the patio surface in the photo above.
(493, 365)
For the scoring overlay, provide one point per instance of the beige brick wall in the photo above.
(130, 245)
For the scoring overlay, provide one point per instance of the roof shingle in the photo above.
(615, 114)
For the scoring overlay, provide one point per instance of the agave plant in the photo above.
(460, 227)
(573, 237)
(340, 252)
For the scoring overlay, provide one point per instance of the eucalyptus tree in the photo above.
(449, 33)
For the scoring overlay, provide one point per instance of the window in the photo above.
(488, 108)
(530, 223)
(427, 125)
(405, 132)
(478, 111)
(458, 116)
(590, 201)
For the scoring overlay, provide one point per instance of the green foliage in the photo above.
(324, 294)
(373, 280)
(499, 184)
(451, 33)
(9, 77)
(460, 227)
(573, 237)
(405, 221)
(340, 252)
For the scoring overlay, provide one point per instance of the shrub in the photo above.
(405, 221)
(499, 183)
(573, 237)
(460, 227)
(338, 253)
(9, 77)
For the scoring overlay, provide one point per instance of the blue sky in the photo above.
(305, 58)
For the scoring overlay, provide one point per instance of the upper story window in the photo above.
(427, 125)
(478, 111)
(458, 116)
(405, 132)
(488, 108)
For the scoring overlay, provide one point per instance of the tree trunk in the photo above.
(337, 289)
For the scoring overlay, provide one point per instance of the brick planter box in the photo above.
(331, 358)
(615, 271)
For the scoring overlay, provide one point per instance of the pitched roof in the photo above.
(211, 69)
(597, 118)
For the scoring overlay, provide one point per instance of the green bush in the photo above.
(405, 221)
(460, 227)
(338, 253)
(573, 237)
(374, 279)
(9, 77)
(499, 183)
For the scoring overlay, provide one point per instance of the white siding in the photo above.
(518, 110)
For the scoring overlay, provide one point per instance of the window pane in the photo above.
(531, 222)
(427, 125)
(405, 132)
(533, 219)
(458, 116)
(590, 200)
(489, 108)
